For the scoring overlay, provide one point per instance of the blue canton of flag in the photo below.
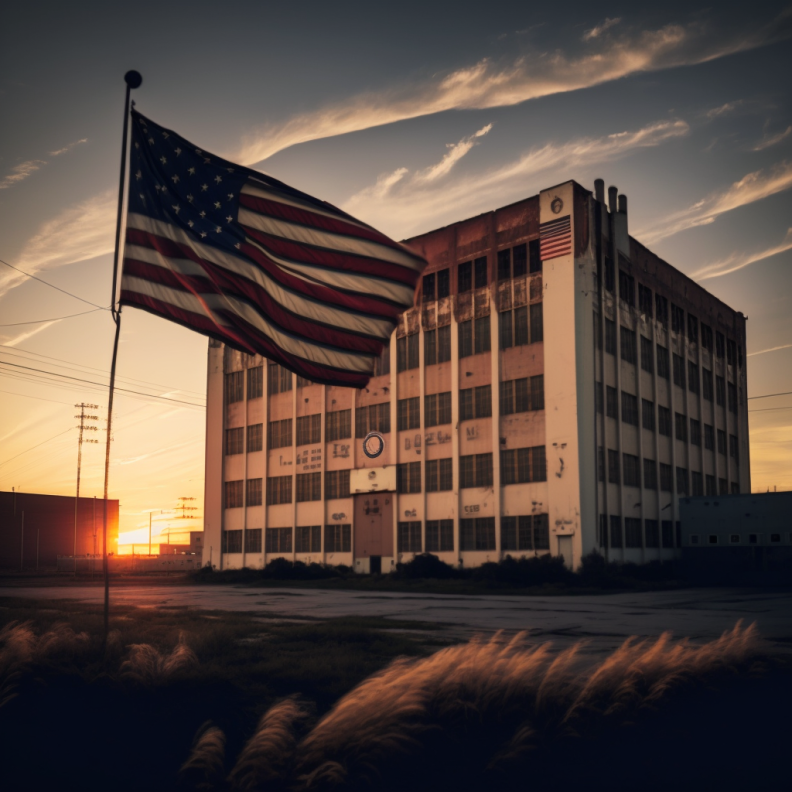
(262, 267)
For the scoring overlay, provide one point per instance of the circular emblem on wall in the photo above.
(556, 205)
(373, 445)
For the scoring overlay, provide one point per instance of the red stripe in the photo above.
(246, 339)
(333, 260)
(217, 281)
(293, 214)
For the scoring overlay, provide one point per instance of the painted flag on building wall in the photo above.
(262, 267)
(555, 238)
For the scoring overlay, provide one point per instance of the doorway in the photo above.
(565, 550)
(375, 565)
(374, 525)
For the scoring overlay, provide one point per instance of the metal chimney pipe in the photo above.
(599, 190)
(612, 197)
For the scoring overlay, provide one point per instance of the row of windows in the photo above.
(525, 532)
(659, 309)
(633, 533)
(628, 472)
(735, 539)
(307, 539)
(279, 489)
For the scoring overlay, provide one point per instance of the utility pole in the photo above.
(83, 427)
(22, 544)
(184, 507)
(150, 513)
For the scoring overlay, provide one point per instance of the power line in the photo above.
(54, 319)
(27, 274)
(770, 395)
(39, 398)
(102, 385)
(35, 446)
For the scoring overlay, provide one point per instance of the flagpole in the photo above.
(132, 80)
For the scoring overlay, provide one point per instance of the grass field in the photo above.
(181, 699)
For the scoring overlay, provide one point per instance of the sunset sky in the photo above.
(408, 115)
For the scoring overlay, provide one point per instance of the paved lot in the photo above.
(605, 620)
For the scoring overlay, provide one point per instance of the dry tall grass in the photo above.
(147, 666)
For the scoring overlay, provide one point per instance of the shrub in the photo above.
(425, 565)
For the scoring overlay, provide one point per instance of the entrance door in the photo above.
(375, 565)
(373, 525)
(565, 549)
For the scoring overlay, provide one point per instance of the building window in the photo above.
(732, 393)
(695, 432)
(711, 488)
(734, 449)
(338, 425)
(629, 351)
(681, 427)
(720, 391)
(407, 352)
(474, 336)
(677, 319)
(610, 337)
(648, 415)
(682, 481)
(382, 363)
(408, 477)
(611, 403)
(477, 534)
(408, 413)
(439, 536)
(255, 437)
(600, 464)
(706, 337)
(521, 326)
(662, 362)
(627, 288)
(255, 382)
(234, 387)
(338, 538)
(666, 478)
(465, 277)
(232, 541)
(697, 483)
(437, 345)
(504, 264)
(632, 532)
(667, 534)
(309, 429)
(279, 379)
(336, 484)
(652, 533)
(721, 442)
(279, 490)
(235, 441)
(475, 403)
(374, 418)
(734, 538)
(598, 397)
(679, 371)
(664, 421)
(650, 474)
(233, 495)
(709, 437)
(645, 300)
(408, 537)
(443, 283)
(723, 487)
(302, 382)
(523, 465)
(475, 470)
(693, 377)
(480, 274)
(706, 384)
(308, 539)
(613, 467)
(522, 395)
(309, 487)
(437, 409)
(280, 433)
(629, 408)
(615, 531)
(521, 532)
(520, 261)
(661, 306)
(731, 352)
(692, 329)
(253, 540)
(610, 275)
(428, 291)
(436, 285)
(279, 540)
(439, 475)
(254, 492)
(712, 539)
(632, 470)
(647, 354)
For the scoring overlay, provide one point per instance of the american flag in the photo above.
(555, 238)
(262, 267)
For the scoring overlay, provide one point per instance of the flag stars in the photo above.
(191, 171)
(229, 219)
(230, 196)
(230, 170)
(177, 151)
(165, 135)
(163, 160)
(207, 160)
(217, 204)
(204, 187)
(138, 175)
(238, 246)
(175, 178)
(202, 214)
(203, 234)
(151, 141)
(218, 230)
(190, 223)
(218, 180)
(176, 208)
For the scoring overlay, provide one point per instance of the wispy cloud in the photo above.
(772, 349)
(751, 188)
(773, 139)
(24, 169)
(598, 30)
(403, 205)
(487, 84)
(739, 261)
(18, 339)
(724, 109)
(455, 153)
(76, 234)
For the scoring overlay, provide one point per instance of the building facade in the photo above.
(555, 389)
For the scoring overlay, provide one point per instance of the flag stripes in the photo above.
(555, 238)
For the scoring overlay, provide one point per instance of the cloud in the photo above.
(76, 234)
(18, 339)
(739, 261)
(724, 109)
(772, 349)
(487, 84)
(23, 170)
(751, 188)
(414, 204)
(598, 30)
(773, 139)
(455, 153)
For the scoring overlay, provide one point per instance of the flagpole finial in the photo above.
(133, 79)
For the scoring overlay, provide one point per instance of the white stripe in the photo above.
(312, 311)
(326, 239)
(208, 303)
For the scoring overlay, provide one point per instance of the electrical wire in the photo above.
(39, 398)
(770, 395)
(27, 274)
(54, 319)
(35, 446)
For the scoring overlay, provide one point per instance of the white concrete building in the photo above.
(556, 388)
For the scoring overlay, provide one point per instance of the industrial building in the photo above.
(36, 529)
(556, 388)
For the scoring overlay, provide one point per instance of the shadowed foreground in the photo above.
(489, 714)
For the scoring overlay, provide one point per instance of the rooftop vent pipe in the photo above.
(623, 204)
(599, 190)
(612, 193)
